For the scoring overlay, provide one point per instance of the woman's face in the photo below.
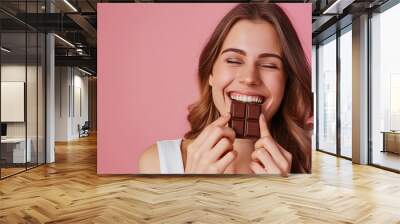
(249, 68)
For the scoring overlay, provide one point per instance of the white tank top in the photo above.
(169, 153)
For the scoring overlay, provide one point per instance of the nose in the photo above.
(249, 75)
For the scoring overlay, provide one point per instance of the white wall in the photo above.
(61, 103)
(79, 117)
(16, 73)
(70, 83)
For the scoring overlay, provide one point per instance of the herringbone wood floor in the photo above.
(70, 191)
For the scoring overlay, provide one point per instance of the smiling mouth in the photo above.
(246, 98)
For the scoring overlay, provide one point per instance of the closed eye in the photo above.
(233, 61)
(268, 66)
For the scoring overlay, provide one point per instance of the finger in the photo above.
(213, 137)
(257, 168)
(269, 144)
(266, 160)
(224, 162)
(264, 131)
(221, 121)
(221, 148)
(216, 134)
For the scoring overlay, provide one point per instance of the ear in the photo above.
(210, 80)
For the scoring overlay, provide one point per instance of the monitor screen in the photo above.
(3, 129)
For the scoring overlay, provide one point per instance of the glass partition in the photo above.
(22, 88)
(327, 95)
(385, 89)
(32, 95)
(13, 109)
(346, 93)
(313, 84)
(41, 91)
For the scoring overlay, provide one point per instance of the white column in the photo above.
(50, 100)
(360, 90)
(50, 92)
(314, 91)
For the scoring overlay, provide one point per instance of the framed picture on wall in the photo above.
(12, 101)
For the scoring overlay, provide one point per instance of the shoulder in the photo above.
(149, 162)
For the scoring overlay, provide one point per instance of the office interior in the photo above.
(49, 90)
(48, 76)
(356, 82)
(48, 80)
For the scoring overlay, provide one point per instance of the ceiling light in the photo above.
(5, 50)
(337, 7)
(64, 40)
(70, 5)
(84, 71)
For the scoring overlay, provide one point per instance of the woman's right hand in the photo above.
(212, 151)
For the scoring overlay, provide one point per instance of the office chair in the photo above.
(84, 130)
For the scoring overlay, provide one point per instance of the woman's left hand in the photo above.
(269, 157)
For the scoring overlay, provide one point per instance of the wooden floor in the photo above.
(70, 191)
(5, 172)
(388, 159)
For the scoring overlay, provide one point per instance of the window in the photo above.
(346, 92)
(327, 96)
(385, 89)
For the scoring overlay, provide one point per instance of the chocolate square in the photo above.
(244, 120)
(239, 110)
(238, 127)
(253, 111)
(252, 128)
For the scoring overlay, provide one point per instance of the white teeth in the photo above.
(249, 99)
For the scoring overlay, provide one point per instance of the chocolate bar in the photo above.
(244, 119)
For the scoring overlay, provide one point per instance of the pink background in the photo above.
(147, 60)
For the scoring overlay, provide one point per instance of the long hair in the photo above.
(289, 124)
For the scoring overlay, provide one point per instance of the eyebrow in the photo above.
(242, 52)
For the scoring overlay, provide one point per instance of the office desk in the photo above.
(391, 141)
(13, 150)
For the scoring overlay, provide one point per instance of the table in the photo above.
(13, 150)
(391, 141)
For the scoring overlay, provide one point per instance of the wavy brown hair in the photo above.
(289, 124)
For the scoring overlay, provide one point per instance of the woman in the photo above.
(253, 55)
